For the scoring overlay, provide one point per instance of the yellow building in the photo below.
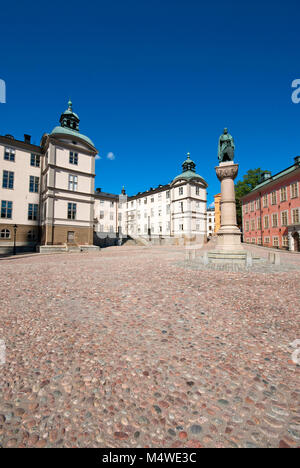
(217, 212)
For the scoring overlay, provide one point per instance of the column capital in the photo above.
(229, 171)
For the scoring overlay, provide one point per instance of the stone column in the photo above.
(229, 235)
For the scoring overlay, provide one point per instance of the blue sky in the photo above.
(154, 80)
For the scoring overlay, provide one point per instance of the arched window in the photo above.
(5, 234)
(31, 235)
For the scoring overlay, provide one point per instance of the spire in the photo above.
(123, 190)
(69, 119)
(188, 164)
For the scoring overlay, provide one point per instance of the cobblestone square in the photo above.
(129, 347)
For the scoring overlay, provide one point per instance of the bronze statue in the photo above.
(225, 147)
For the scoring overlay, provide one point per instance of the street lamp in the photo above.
(15, 235)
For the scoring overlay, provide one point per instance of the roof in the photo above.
(106, 195)
(10, 141)
(68, 131)
(188, 175)
(274, 178)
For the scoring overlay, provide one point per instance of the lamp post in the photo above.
(15, 235)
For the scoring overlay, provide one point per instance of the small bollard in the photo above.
(205, 258)
(276, 258)
(249, 261)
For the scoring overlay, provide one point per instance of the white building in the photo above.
(168, 212)
(210, 222)
(47, 191)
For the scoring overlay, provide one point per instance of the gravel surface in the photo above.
(130, 347)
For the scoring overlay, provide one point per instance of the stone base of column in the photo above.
(231, 257)
(229, 239)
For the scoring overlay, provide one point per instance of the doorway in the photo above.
(296, 242)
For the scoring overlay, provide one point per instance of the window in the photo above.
(119, 216)
(180, 190)
(259, 241)
(267, 240)
(9, 154)
(274, 220)
(247, 226)
(168, 226)
(35, 160)
(168, 209)
(259, 222)
(31, 236)
(265, 201)
(5, 234)
(266, 222)
(273, 198)
(8, 180)
(181, 207)
(152, 211)
(111, 216)
(101, 202)
(152, 200)
(276, 241)
(32, 211)
(73, 181)
(257, 203)
(73, 159)
(252, 224)
(71, 210)
(101, 227)
(101, 216)
(284, 218)
(111, 228)
(285, 241)
(168, 194)
(159, 212)
(295, 216)
(246, 208)
(34, 184)
(197, 190)
(180, 227)
(6, 209)
(111, 204)
(253, 240)
(283, 194)
(145, 201)
(252, 206)
(294, 190)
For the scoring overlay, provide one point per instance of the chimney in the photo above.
(27, 138)
(297, 160)
(265, 176)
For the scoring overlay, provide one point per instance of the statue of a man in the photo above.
(226, 147)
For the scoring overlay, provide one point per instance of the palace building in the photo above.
(170, 213)
(271, 211)
(48, 200)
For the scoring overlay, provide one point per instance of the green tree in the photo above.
(242, 187)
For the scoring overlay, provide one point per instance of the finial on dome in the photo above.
(70, 105)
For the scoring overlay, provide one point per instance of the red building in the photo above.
(271, 211)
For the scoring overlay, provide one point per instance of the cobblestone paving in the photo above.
(128, 348)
